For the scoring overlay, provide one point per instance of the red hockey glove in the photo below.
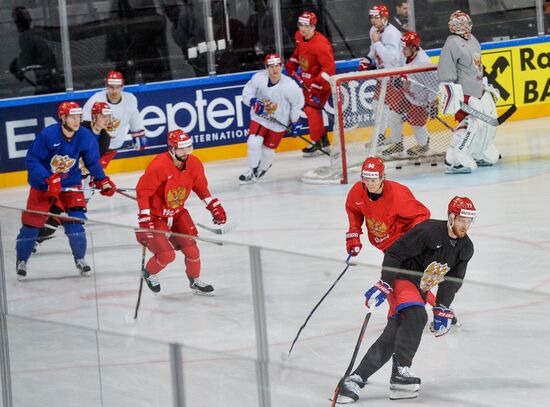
(106, 186)
(353, 243)
(54, 185)
(365, 64)
(291, 66)
(218, 213)
(145, 222)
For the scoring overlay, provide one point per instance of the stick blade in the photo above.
(226, 228)
(506, 115)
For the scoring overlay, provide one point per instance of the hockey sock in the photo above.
(267, 158)
(395, 123)
(412, 322)
(254, 150)
(77, 239)
(160, 261)
(192, 260)
(421, 134)
(25, 242)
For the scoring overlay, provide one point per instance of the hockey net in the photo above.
(362, 122)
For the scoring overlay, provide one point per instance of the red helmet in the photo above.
(307, 18)
(379, 10)
(373, 167)
(66, 108)
(272, 59)
(179, 139)
(410, 39)
(462, 206)
(101, 108)
(114, 78)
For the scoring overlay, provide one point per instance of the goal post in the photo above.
(371, 105)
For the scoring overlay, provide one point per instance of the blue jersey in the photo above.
(52, 153)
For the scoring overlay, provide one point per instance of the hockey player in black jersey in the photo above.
(435, 248)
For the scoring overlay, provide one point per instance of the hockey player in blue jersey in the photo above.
(52, 165)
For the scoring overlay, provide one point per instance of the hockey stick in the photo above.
(354, 356)
(274, 120)
(228, 227)
(493, 121)
(317, 305)
(143, 252)
(130, 148)
(76, 189)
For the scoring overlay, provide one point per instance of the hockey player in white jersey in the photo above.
(384, 53)
(276, 103)
(412, 101)
(460, 74)
(125, 120)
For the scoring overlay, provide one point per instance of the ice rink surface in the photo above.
(498, 357)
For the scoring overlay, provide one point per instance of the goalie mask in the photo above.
(460, 24)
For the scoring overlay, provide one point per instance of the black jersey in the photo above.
(427, 242)
(103, 139)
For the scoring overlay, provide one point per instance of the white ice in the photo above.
(498, 357)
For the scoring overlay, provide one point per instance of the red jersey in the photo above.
(314, 56)
(390, 216)
(163, 188)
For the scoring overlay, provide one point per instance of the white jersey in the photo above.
(386, 53)
(126, 118)
(417, 94)
(283, 101)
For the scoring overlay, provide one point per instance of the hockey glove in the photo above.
(257, 105)
(54, 185)
(218, 213)
(145, 222)
(443, 318)
(295, 128)
(291, 66)
(365, 64)
(353, 243)
(106, 186)
(377, 294)
(139, 140)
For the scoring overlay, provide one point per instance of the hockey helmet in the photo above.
(272, 59)
(462, 206)
(114, 78)
(460, 23)
(101, 108)
(372, 168)
(379, 10)
(179, 139)
(66, 108)
(410, 39)
(307, 18)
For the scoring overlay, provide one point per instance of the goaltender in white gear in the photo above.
(276, 103)
(460, 65)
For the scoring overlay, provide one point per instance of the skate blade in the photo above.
(203, 294)
(401, 395)
(252, 181)
(343, 400)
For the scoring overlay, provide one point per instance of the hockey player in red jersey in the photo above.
(161, 194)
(313, 55)
(434, 249)
(387, 208)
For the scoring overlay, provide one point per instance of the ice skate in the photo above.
(152, 281)
(21, 268)
(483, 163)
(403, 385)
(394, 148)
(83, 267)
(249, 177)
(349, 389)
(313, 151)
(200, 288)
(456, 169)
(380, 141)
(417, 150)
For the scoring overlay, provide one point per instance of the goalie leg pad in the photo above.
(483, 146)
(458, 153)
